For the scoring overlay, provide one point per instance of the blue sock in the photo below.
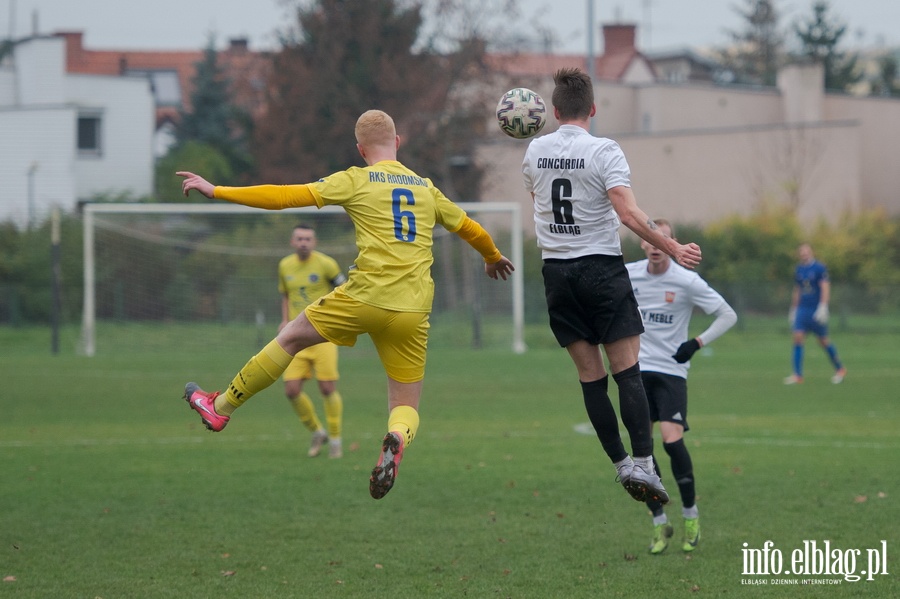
(832, 353)
(798, 360)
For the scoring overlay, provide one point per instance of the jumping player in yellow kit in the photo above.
(303, 277)
(389, 291)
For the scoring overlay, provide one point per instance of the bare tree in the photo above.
(756, 50)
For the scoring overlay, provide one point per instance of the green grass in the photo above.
(112, 488)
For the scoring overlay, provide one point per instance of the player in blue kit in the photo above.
(667, 295)
(809, 313)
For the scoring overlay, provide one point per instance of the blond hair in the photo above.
(375, 128)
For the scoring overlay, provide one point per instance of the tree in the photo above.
(887, 82)
(214, 120)
(756, 53)
(819, 38)
(346, 57)
(193, 156)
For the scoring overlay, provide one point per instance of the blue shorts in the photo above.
(805, 323)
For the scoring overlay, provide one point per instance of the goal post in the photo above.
(153, 267)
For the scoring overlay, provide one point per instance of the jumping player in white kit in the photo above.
(581, 188)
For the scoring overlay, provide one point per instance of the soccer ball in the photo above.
(521, 113)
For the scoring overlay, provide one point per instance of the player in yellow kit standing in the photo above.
(388, 294)
(303, 277)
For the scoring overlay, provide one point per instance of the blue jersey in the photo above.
(809, 278)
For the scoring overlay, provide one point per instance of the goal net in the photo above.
(160, 276)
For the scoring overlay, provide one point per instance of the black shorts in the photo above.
(590, 298)
(667, 396)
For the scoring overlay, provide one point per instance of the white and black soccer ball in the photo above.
(521, 113)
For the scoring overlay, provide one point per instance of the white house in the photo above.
(69, 137)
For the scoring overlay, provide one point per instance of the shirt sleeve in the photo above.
(334, 274)
(282, 286)
(616, 171)
(725, 319)
(711, 301)
(526, 171)
(269, 197)
(475, 235)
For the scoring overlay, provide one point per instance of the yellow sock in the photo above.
(303, 405)
(334, 410)
(404, 420)
(262, 370)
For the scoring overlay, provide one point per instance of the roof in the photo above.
(247, 70)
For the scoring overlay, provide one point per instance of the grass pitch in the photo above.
(112, 488)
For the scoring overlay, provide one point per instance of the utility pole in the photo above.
(589, 67)
(32, 210)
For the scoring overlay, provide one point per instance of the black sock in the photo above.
(635, 410)
(603, 418)
(682, 470)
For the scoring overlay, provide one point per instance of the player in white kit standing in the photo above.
(667, 295)
(581, 188)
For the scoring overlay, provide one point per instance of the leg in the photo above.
(594, 385)
(644, 484)
(401, 339)
(662, 529)
(682, 466)
(302, 404)
(267, 366)
(334, 412)
(799, 339)
(403, 422)
(839, 370)
(260, 372)
(324, 365)
(623, 361)
(683, 471)
(305, 409)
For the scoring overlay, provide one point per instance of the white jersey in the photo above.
(666, 303)
(569, 172)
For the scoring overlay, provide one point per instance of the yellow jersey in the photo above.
(394, 211)
(305, 281)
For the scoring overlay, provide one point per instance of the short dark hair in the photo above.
(663, 221)
(304, 226)
(573, 95)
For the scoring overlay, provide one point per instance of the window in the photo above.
(89, 134)
(164, 83)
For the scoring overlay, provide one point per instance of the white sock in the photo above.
(657, 520)
(623, 462)
(690, 512)
(646, 463)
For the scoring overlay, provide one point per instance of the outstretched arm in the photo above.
(269, 197)
(634, 218)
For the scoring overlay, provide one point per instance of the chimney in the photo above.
(238, 45)
(74, 48)
(619, 38)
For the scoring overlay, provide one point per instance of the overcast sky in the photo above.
(186, 24)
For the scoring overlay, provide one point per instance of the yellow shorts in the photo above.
(401, 338)
(320, 360)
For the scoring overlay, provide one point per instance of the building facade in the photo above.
(700, 151)
(67, 137)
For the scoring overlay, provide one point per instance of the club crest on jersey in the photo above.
(313, 278)
(670, 297)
